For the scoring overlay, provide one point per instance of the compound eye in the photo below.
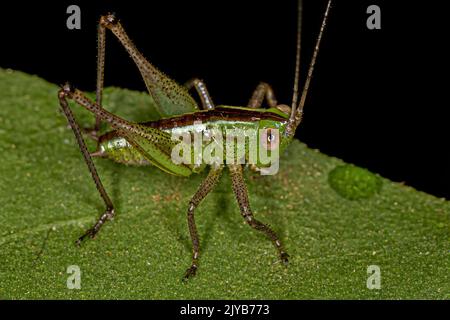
(271, 140)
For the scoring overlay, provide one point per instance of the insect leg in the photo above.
(200, 86)
(80, 98)
(263, 90)
(109, 211)
(206, 186)
(170, 97)
(100, 71)
(93, 131)
(240, 191)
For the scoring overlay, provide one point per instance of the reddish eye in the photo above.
(270, 142)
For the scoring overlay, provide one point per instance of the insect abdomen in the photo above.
(118, 149)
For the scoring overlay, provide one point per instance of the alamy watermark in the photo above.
(74, 280)
(74, 19)
(374, 279)
(214, 146)
(374, 20)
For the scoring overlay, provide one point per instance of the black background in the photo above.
(278, 308)
(377, 98)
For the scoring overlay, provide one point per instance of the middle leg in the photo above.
(207, 185)
(200, 86)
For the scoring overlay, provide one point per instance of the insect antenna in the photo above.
(297, 110)
(297, 58)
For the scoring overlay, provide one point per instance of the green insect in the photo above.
(152, 143)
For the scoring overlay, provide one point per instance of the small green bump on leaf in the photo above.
(354, 183)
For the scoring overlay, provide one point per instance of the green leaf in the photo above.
(47, 200)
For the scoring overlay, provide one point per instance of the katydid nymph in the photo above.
(146, 143)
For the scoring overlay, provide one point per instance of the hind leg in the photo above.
(93, 132)
(109, 210)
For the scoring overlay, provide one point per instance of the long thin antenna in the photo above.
(313, 60)
(297, 58)
(296, 115)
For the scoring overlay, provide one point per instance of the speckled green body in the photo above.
(116, 147)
